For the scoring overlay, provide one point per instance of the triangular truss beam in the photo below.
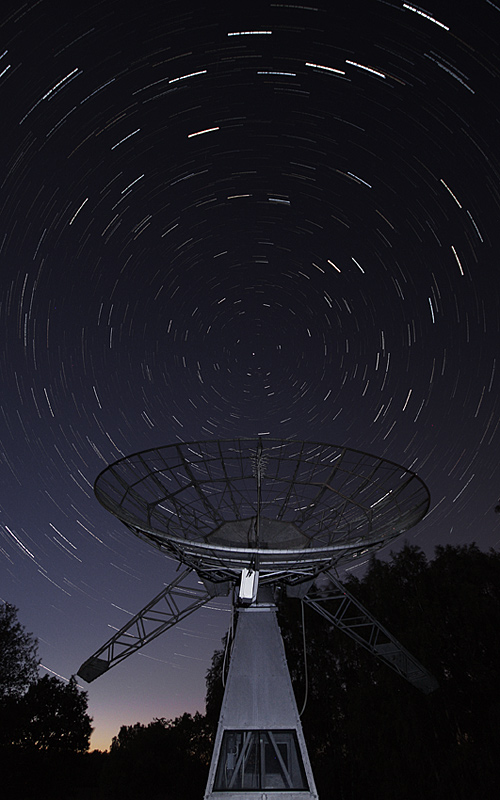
(344, 611)
(175, 602)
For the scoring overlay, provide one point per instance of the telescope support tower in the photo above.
(259, 749)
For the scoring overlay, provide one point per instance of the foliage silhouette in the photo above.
(166, 759)
(18, 654)
(53, 716)
(371, 734)
(44, 726)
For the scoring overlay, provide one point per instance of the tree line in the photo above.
(369, 733)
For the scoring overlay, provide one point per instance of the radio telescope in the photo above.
(251, 515)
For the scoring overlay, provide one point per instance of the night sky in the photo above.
(219, 220)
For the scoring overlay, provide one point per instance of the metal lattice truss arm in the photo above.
(175, 602)
(346, 613)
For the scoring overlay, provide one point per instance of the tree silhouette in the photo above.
(44, 725)
(53, 716)
(43, 713)
(166, 759)
(18, 654)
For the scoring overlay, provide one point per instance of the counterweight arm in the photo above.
(340, 608)
(175, 602)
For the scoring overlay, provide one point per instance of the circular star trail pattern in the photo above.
(235, 220)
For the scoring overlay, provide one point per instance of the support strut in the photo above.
(344, 611)
(175, 602)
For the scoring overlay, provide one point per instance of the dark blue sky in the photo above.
(267, 218)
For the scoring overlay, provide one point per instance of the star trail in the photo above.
(223, 220)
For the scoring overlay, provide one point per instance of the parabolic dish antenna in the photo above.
(289, 509)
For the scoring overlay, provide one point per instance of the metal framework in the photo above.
(344, 611)
(286, 510)
(291, 509)
(268, 511)
(175, 602)
(179, 599)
